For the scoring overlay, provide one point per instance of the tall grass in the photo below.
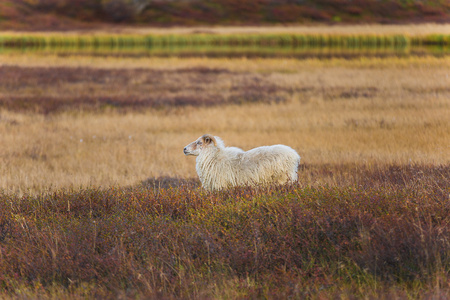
(385, 233)
(123, 41)
(66, 127)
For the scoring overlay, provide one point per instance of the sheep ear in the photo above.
(209, 139)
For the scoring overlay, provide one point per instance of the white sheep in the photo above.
(221, 167)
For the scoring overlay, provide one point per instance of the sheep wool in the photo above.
(220, 167)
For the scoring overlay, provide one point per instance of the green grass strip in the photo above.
(294, 40)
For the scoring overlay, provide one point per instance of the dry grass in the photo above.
(410, 29)
(383, 233)
(265, 65)
(329, 112)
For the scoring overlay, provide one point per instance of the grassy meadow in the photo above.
(98, 200)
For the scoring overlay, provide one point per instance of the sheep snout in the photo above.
(191, 149)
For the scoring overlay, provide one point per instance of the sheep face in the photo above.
(202, 143)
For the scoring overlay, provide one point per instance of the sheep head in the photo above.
(202, 143)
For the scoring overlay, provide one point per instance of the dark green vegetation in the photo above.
(229, 45)
(381, 231)
(61, 14)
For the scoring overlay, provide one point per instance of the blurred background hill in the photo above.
(85, 14)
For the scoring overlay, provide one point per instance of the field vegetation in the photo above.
(198, 39)
(83, 126)
(98, 200)
(278, 44)
(381, 232)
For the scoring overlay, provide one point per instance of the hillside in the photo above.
(82, 14)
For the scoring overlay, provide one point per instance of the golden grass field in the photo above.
(364, 111)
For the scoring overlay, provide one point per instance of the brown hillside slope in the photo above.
(82, 14)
